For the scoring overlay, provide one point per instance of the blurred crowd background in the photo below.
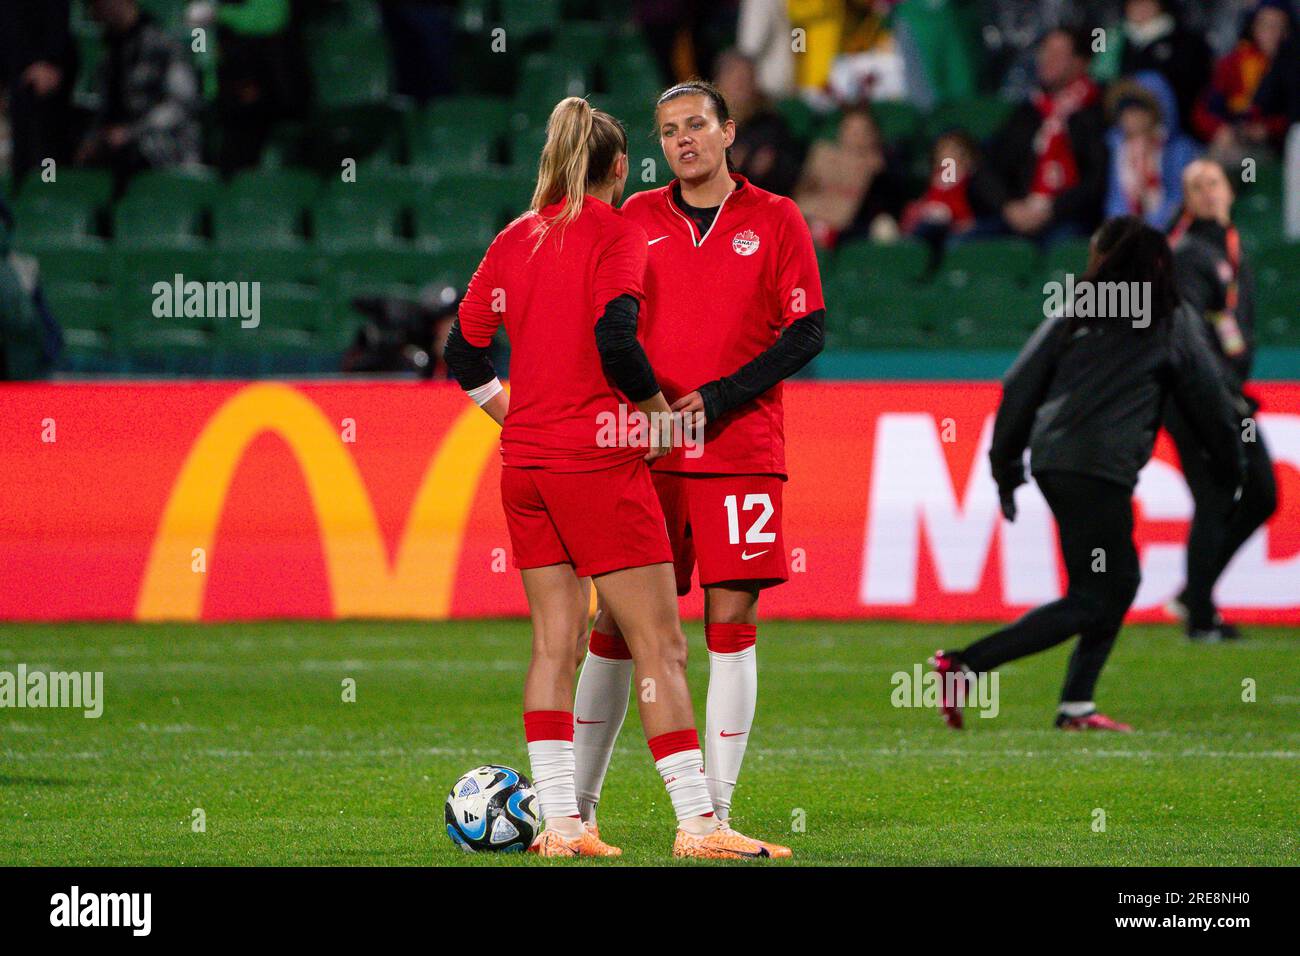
(355, 157)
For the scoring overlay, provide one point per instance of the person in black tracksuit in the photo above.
(1215, 280)
(1086, 396)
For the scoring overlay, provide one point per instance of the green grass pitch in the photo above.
(247, 723)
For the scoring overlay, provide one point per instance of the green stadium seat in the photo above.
(290, 318)
(862, 316)
(197, 189)
(249, 222)
(87, 313)
(149, 223)
(41, 223)
(379, 270)
(1277, 310)
(352, 216)
(526, 18)
(981, 116)
(1067, 257)
(898, 121)
(582, 41)
(505, 193)
(88, 260)
(871, 262)
(92, 188)
(139, 270)
(544, 81)
(170, 14)
(350, 66)
(297, 188)
(443, 227)
(350, 13)
(1016, 259)
(800, 118)
(172, 345)
(490, 113)
(635, 75)
(992, 313)
(437, 146)
(305, 266)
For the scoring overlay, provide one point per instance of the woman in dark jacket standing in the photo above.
(1086, 397)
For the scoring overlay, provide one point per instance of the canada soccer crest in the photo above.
(745, 243)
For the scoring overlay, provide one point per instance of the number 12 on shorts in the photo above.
(755, 533)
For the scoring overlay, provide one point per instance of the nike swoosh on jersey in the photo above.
(746, 556)
(653, 241)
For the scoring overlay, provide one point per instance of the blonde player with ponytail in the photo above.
(566, 280)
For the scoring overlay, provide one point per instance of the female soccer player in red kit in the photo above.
(566, 279)
(734, 306)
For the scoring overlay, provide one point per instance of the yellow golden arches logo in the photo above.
(423, 574)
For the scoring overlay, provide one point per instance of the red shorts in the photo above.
(730, 524)
(597, 521)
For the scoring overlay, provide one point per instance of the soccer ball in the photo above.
(492, 810)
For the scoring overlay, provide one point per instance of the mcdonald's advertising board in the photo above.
(229, 501)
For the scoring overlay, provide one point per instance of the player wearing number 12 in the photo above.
(734, 306)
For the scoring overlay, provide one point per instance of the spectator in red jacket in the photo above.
(1226, 115)
(944, 209)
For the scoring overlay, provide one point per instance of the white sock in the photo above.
(599, 709)
(683, 774)
(1077, 708)
(729, 715)
(551, 757)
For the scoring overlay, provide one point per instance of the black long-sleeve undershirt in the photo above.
(470, 365)
(621, 355)
(799, 343)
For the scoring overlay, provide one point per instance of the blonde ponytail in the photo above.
(581, 146)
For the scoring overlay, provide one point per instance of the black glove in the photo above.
(1007, 498)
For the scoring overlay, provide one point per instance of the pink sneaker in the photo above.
(1093, 721)
(953, 694)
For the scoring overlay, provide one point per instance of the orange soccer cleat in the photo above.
(550, 843)
(774, 850)
(719, 845)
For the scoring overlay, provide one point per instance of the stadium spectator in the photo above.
(1012, 30)
(38, 63)
(683, 33)
(149, 96)
(262, 75)
(764, 152)
(1044, 173)
(944, 209)
(1148, 151)
(846, 184)
(30, 339)
(421, 35)
(1216, 281)
(868, 64)
(1226, 115)
(1153, 39)
(1279, 91)
(763, 35)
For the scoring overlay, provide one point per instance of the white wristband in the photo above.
(485, 393)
